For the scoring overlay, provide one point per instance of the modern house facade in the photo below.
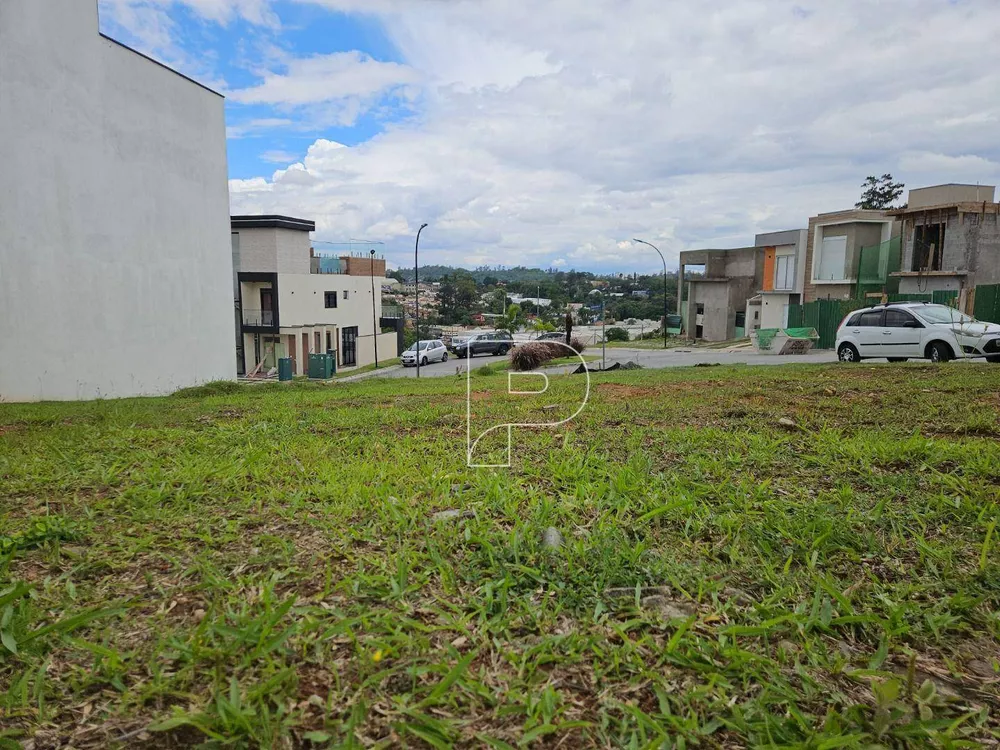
(783, 278)
(950, 239)
(833, 250)
(713, 304)
(293, 302)
(114, 208)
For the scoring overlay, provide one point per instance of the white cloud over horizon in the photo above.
(556, 131)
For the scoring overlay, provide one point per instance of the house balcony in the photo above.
(258, 319)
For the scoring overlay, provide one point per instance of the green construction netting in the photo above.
(766, 335)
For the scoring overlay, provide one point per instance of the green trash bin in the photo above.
(320, 366)
(285, 368)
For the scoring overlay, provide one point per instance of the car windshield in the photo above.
(942, 314)
(423, 345)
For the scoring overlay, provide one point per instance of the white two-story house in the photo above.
(292, 302)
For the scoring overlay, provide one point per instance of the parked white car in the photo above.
(899, 331)
(430, 351)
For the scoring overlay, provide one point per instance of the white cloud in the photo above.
(563, 129)
(327, 78)
(278, 157)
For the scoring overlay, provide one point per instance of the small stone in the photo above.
(737, 595)
(552, 539)
(199, 615)
(460, 641)
(788, 423)
(668, 608)
(448, 515)
(788, 647)
(829, 391)
(982, 668)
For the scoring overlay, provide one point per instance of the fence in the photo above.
(986, 305)
(825, 315)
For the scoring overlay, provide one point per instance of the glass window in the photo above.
(873, 318)
(330, 299)
(347, 295)
(855, 320)
(898, 319)
(942, 314)
(784, 272)
(832, 265)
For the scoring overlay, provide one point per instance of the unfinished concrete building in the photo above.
(714, 302)
(950, 239)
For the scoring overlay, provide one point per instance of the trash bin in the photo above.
(285, 368)
(320, 366)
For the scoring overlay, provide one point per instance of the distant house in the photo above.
(290, 304)
(782, 279)
(713, 305)
(640, 293)
(950, 239)
(834, 244)
(114, 211)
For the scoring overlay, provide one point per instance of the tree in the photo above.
(511, 321)
(879, 193)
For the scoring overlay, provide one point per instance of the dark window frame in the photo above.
(908, 318)
(879, 313)
(327, 297)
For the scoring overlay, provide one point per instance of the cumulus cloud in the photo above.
(563, 129)
(327, 78)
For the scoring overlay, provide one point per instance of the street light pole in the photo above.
(374, 312)
(604, 336)
(416, 293)
(664, 287)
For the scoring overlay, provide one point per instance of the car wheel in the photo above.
(501, 351)
(939, 352)
(994, 359)
(896, 359)
(423, 361)
(847, 353)
(444, 357)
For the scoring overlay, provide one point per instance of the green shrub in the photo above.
(532, 355)
(41, 530)
(617, 334)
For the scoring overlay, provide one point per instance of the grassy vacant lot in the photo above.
(263, 567)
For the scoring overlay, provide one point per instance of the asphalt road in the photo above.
(650, 358)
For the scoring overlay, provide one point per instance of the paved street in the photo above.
(652, 359)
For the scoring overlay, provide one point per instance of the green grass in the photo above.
(260, 567)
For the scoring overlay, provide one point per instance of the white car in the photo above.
(899, 331)
(430, 351)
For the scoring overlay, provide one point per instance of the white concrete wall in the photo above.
(115, 256)
(386, 350)
(301, 300)
(773, 310)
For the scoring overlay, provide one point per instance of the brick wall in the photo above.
(354, 266)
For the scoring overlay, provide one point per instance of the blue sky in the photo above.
(549, 134)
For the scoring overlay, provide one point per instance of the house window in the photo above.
(832, 262)
(784, 272)
(346, 295)
(330, 299)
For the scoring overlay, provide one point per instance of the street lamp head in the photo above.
(372, 251)
(422, 226)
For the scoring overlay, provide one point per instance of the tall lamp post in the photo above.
(374, 313)
(664, 287)
(416, 292)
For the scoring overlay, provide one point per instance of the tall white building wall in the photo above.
(115, 256)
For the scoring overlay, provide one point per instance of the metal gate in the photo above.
(987, 303)
(349, 346)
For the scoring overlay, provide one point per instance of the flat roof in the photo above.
(272, 221)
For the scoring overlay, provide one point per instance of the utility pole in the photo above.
(416, 292)
(664, 287)
(374, 310)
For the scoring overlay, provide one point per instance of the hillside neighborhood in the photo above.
(265, 484)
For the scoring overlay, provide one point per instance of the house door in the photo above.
(266, 308)
(291, 350)
(305, 354)
(349, 346)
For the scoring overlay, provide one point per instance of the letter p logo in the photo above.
(522, 406)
